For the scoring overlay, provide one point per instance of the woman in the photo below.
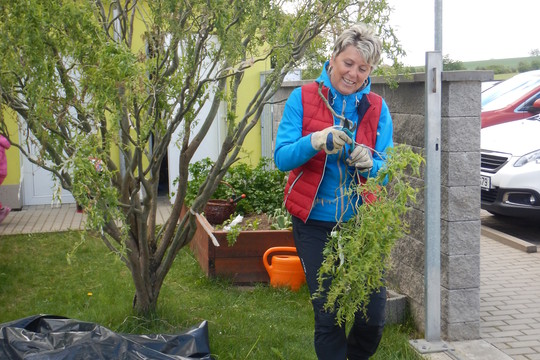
(323, 161)
(4, 145)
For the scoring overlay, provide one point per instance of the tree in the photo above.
(524, 66)
(449, 64)
(84, 88)
(377, 14)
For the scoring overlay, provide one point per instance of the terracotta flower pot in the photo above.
(217, 211)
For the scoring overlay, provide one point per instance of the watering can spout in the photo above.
(284, 270)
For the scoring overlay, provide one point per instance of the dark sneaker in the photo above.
(4, 212)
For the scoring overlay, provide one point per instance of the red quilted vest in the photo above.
(303, 182)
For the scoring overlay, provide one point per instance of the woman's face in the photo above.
(349, 71)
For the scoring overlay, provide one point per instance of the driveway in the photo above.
(509, 289)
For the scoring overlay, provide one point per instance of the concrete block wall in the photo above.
(460, 196)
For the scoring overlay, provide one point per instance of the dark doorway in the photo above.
(163, 186)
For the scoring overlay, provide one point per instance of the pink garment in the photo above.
(4, 145)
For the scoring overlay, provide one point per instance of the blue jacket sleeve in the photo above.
(292, 149)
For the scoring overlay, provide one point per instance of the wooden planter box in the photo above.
(242, 262)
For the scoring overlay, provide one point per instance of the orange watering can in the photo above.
(285, 270)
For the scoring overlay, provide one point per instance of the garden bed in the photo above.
(243, 262)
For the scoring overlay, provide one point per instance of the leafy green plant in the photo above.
(358, 251)
(198, 172)
(234, 230)
(232, 234)
(262, 185)
(281, 219)
(254, 225)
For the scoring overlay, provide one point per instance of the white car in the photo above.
(510, 168)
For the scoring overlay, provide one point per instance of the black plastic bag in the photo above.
(49, 337)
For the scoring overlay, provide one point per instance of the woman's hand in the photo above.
(331, 140)
(360, 158)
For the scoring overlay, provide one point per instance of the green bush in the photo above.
(262, 185)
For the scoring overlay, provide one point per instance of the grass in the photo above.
(511, 63)
(259, 322)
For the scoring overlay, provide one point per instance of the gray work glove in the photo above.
(360, 158)
(331, 140)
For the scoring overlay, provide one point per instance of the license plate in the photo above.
(485, 182)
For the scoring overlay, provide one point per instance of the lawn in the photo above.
(258, 322)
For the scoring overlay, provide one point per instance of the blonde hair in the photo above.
(364, 39)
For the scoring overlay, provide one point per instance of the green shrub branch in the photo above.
(358, 251)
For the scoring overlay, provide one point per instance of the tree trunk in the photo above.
(145, 300)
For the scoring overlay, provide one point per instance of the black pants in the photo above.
(331, 342)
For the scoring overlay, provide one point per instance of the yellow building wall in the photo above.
(250, 84)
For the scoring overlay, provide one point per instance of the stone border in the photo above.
(509, 240)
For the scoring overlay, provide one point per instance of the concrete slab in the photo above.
(470, 350)
(478, 350)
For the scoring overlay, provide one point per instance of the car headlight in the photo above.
(530, 157)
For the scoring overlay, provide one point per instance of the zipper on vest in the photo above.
(292, 185)
(318, 186)
(341, 200)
